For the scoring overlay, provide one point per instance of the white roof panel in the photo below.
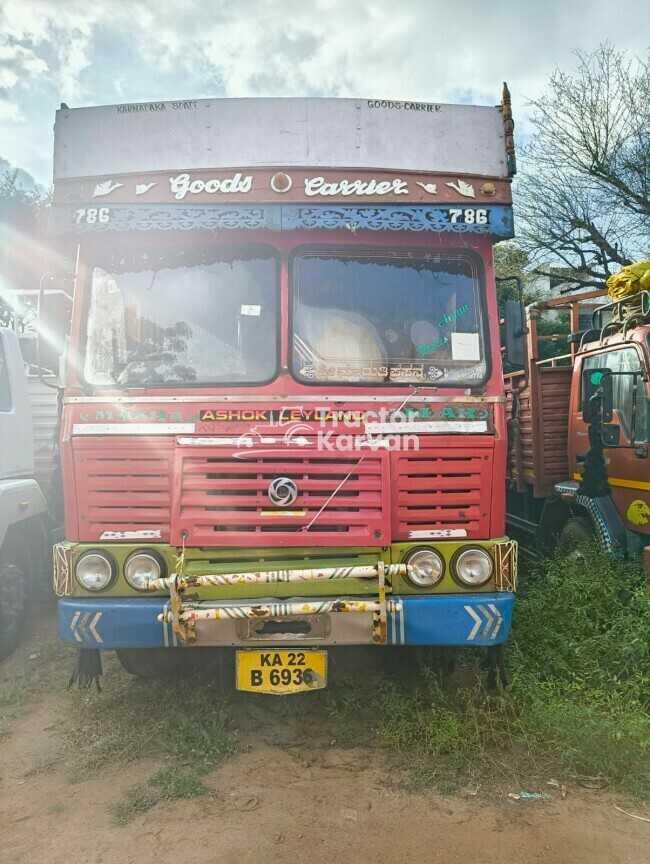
(310, 132)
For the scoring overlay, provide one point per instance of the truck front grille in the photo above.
(223, 498)
(446, 490)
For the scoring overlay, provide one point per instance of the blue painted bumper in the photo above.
(444, 619)
(452, 619)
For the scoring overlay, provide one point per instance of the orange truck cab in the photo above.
(579, 430)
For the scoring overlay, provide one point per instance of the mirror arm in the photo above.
(41, 294)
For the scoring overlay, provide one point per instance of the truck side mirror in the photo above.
(597, 383)
(611, 435)
(54, 310)
(515, 331)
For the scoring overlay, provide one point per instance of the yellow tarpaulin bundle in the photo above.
(629, 281)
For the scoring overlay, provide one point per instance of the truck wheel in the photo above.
(576, 533)
(14, 593)
(156, 662)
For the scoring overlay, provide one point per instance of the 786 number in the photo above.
(469, 216)
(92, 215)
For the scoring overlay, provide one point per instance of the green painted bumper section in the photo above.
(206, 561)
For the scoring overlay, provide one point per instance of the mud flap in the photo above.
(87, 668)
(496, 668)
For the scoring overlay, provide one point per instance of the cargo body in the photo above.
(284, 416)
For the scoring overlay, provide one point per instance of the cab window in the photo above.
(625, 360)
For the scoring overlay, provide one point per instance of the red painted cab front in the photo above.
(283, 420)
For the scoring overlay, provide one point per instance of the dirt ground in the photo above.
(290, 794)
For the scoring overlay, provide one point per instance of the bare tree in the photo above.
(584, 195)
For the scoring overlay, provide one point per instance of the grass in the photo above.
(165, 785)
(24, 684)
(27, 682)
(184, 720)
(578, 702)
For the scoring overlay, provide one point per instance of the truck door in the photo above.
(628, 469)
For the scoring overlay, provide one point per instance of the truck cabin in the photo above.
(284, 367)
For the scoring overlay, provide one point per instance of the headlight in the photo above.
(426, 568)
(472, 567)
(95, 570)
(140, 568)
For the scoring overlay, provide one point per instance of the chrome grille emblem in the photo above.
(282, 492)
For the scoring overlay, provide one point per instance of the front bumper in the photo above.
(444, 619)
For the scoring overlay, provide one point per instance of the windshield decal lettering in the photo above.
(447, 319)
(423, 350)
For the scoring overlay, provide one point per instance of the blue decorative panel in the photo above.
(165, 217)
(460, 219)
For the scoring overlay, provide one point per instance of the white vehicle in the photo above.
(24, 522)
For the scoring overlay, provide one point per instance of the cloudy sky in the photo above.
(93, 52)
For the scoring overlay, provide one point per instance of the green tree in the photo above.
(583, 196)
(23, 251)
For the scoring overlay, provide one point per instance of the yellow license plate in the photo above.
(281, 672)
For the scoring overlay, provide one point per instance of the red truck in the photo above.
(283, 421)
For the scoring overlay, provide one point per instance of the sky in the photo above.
(94, 52)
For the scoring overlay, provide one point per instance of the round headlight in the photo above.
(95, 570)
(472, 567)
(425, 568)
(141, 568)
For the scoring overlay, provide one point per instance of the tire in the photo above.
(15, 568)
(576, 533)
(156, 662)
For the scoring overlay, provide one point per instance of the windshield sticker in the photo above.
(404, 371)
(465, 346)
(323, 372)
(423, 350)
(447, 319)
(471, 372)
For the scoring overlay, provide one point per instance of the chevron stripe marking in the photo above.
(93, 627)
(499, 617)
(476, 626)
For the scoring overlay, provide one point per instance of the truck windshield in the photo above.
(373, 317)
(190, 315)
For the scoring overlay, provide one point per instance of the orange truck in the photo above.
(579, 424)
